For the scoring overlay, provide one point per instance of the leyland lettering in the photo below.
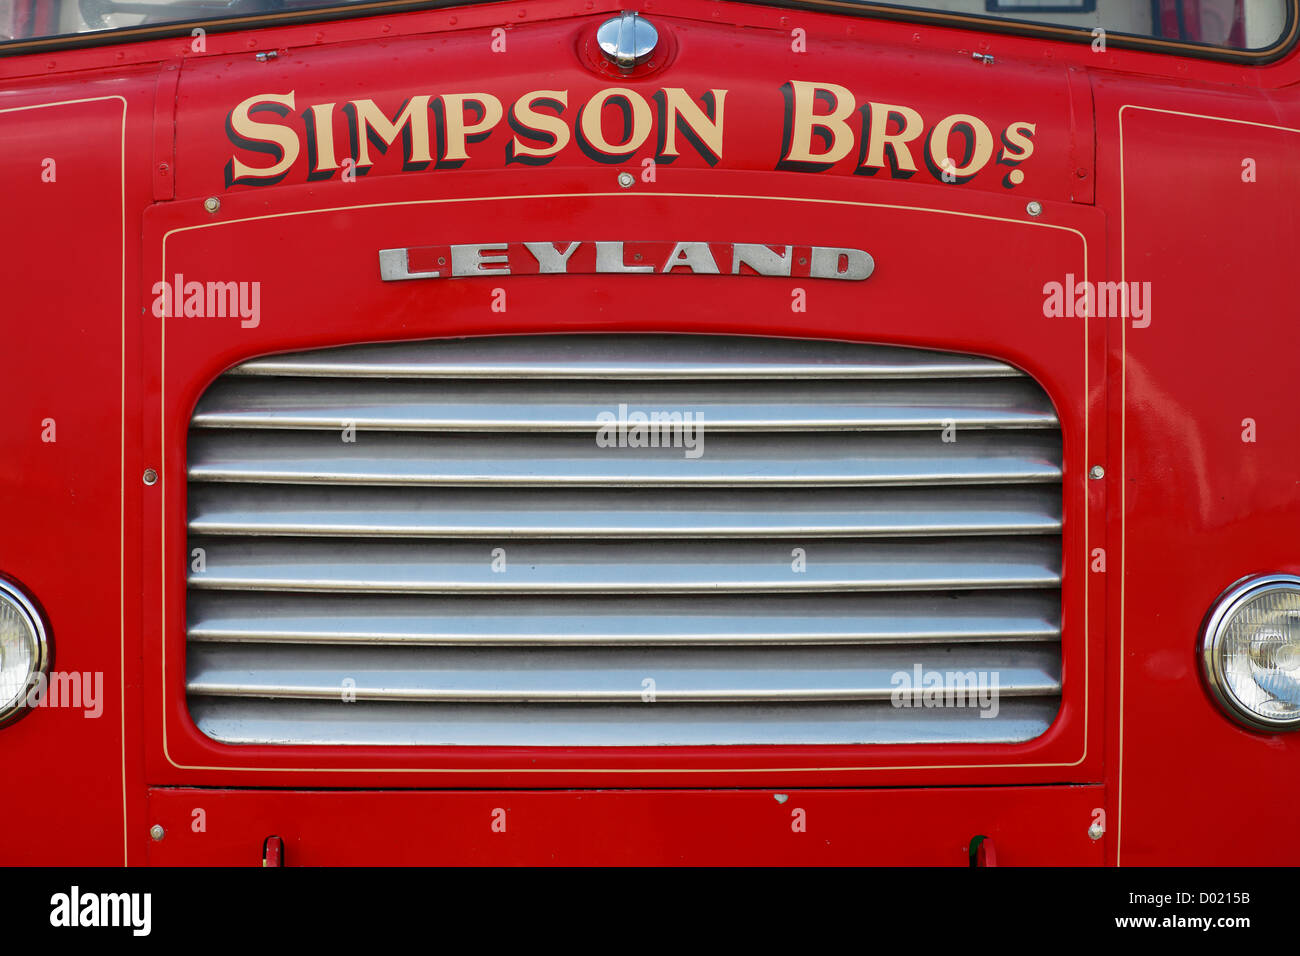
(624, 258)
(824, 126)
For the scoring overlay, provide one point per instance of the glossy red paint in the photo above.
(1137, 166)
(242, 241)
(624, 827)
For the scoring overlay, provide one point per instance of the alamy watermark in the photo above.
(209, 300)
(1071, 299)
(927, 688)
(72, 690)
(130, 910)
(655, 429)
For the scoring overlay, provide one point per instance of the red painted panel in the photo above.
(1202, 506)
(1029, 826)
(316, 258)
(419, 71)
(67, 321)
(1186, 506)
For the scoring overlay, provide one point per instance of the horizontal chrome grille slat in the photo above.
(610, 675)
(601, 620)
(847, 459)
(426, 544)
(373, 723)
(285, 564)
(504, 406)
(495, 514)
(625, 357)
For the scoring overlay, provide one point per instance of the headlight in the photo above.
(1251, 652)
(24, 650)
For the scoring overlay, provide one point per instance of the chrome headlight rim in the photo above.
(12, 592)
(1213, 635)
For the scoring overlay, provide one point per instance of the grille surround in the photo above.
(1007, 457)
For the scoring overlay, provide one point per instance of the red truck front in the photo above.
(720, 432)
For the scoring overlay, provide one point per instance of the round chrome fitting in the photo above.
(24, 650)
(627, 40)
(1250, 652)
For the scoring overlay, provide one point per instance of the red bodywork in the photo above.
(1137, 165)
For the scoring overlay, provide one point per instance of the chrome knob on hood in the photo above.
(627, 40)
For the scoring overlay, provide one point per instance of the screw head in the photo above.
(1095, 831)
(157, 832)
(1096, 472)
(150, 476)
(626, 180)
(1035, 208)
(212, 204)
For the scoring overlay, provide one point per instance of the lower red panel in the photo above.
(1028, 826)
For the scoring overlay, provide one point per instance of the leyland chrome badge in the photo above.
(624, 258)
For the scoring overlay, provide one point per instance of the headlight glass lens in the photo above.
(1252, 650)
(22, 650)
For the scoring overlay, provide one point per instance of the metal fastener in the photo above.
(985, 58)
(150, 476)
(1095, 831)
(1035, 208)
(1096, 471)
(267, 55)
(157, 832)
(212, 204)
(626, 180)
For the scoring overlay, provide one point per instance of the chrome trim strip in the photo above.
(586, 358)
(677, 567)
(829, 459)
(410, 723)
(612, 675)
(261, 510)
(915, 617)
(458, 405)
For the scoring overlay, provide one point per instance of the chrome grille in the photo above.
(353, 591)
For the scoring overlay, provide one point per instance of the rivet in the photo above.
(157, 832)
(212, 204)
(1035, 208)
(1096, 472)
(1095, 831)
(626, 180)
(150, 476)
